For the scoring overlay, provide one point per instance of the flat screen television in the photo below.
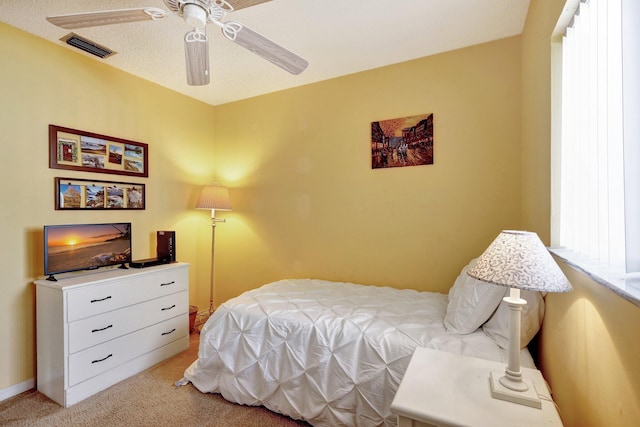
(77, 247)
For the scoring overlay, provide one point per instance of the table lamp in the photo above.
(518, 260)
(214, 197)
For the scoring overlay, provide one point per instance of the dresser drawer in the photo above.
(112, 295)
(103, 327)
(96, 360)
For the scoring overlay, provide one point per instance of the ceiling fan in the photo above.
(196, 13)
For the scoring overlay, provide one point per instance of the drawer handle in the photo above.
(101, 329)
(101, 299)
(168, 308)
(102, 360)
(170, 332)
(168, 283)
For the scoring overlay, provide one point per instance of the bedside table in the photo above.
(444, 389)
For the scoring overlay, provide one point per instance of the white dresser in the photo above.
(96, 329)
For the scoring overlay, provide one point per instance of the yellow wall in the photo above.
(307, 203)
(43, 84)
(590, 342)
(590, 355)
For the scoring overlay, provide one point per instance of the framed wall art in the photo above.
(74, 193)
(91, 152)
(407, 141)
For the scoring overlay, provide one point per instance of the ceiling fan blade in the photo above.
(264, 47)
(241, 4)
(106, 17)
(196, 50)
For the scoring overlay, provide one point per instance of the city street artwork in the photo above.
(406, 141)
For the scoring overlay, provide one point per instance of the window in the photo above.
(596, 140)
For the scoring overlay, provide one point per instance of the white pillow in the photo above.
(497, 327)
(471, 303)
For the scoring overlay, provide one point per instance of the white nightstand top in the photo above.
(447, 389)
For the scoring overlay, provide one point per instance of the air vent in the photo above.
(87, 45)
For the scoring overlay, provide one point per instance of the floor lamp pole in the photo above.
(213, 197)
(212, 278)
(214, 220)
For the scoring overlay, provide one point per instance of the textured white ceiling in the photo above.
(337, 37)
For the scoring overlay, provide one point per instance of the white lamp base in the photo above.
(527, 397)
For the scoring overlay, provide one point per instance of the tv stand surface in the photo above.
(97, 329)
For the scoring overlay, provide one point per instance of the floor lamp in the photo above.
(518, 260)
(213, 197)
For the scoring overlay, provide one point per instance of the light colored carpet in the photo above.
(147, 399)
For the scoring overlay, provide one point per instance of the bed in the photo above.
(333, 354)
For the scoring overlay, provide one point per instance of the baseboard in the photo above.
(15, 390)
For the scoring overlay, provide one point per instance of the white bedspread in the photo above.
(329, 353)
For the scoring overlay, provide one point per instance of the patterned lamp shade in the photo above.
(214, 197)
(519, 259)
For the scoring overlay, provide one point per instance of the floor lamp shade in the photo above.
(518, 260)
(213, 197)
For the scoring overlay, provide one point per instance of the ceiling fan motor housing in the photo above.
(194, 15)
(197, 12)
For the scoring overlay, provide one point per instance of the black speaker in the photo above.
(166, 246)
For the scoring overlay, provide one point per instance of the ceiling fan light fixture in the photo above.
(194, 15)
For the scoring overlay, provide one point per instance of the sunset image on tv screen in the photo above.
(85, 246)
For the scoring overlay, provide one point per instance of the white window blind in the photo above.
(598, 194)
